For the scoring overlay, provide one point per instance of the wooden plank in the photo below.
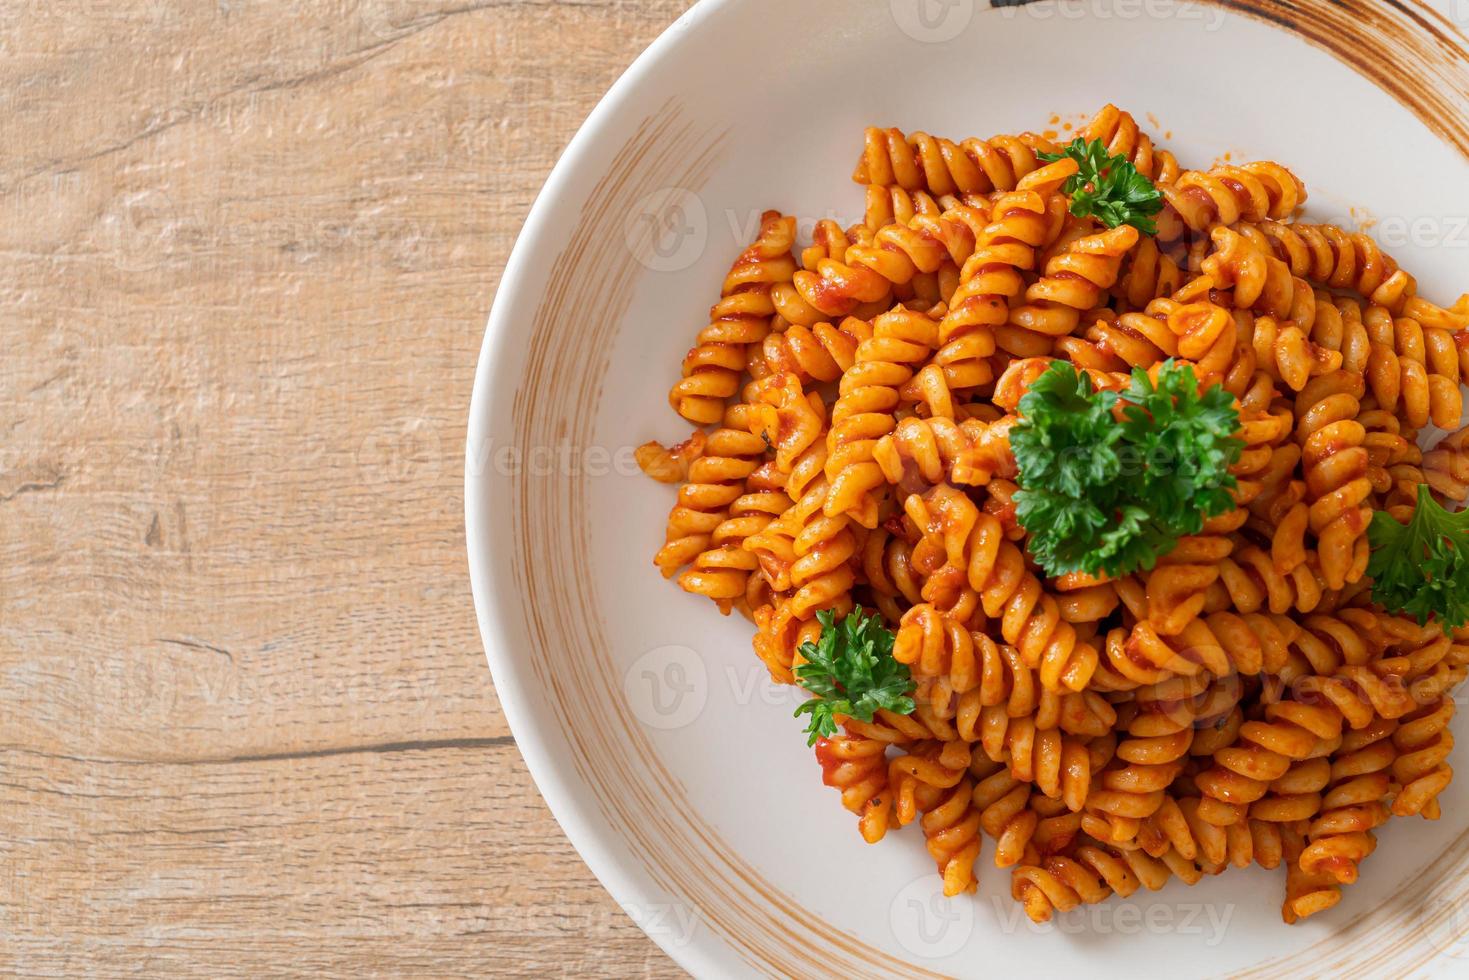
(245, 721)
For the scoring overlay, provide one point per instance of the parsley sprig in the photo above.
(1108, 188)
(852, 672)
(1102, 495)
(1422, 568)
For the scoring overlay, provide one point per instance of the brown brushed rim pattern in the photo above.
(1417, 57)
(1404, 47)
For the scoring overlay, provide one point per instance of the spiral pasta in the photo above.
(863, 412)
(920, 162)
(1335, 464)
(820, 352)
(1242, 773)
(1413, 367)
(989, 281)
(857, 767)
(1198, 200)
(869, 271)
(1332, 257)
(1340, 834)
(1074, 282)
(1240, 699)
(1423, 742)
(1446, 467)
(741, 318)
(1119, 132)
(716, 481)
(1029, 617)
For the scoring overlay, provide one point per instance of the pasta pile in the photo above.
(1241, 701)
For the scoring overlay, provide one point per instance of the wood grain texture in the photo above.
(246, 725)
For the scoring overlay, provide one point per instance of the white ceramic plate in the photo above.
(670, 760)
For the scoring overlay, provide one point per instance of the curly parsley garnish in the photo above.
(1422, 568)
(1108, 188)
(1099, 495)
(852, 672)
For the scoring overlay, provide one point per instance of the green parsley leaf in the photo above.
(1193, 434)
(851, 671)
(1099, 495)
(1421, 568)
(1108, 188)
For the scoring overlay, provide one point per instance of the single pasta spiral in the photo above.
(1413, 368)
(1340, 833)
(888, 205)
(716, 480)
(1221, 643)
(722, 571)
(919, 453)
(1148, 273)
(820, 552)
(1005, 814)
(863, 413)
(1242, 773)
(1074, 282)
(920, 162)
(1159, 734)
(992, 276)
(711, 370)
(1119, 132)
(897, 253)
(1253, 192)
(1423, 742)
(1254, 279)
(1177, 827)
(1446, 467)
(1285, 352)
(1058, 765)
(952, 829)
(1088, 873)
(820, 352)
(858, 768)
(1336, 464)
(1338, 259)
(1306, 893)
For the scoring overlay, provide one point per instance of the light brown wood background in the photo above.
(247, 249)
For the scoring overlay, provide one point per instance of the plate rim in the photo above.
(555, 789)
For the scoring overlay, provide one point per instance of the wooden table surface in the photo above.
(249, 246)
